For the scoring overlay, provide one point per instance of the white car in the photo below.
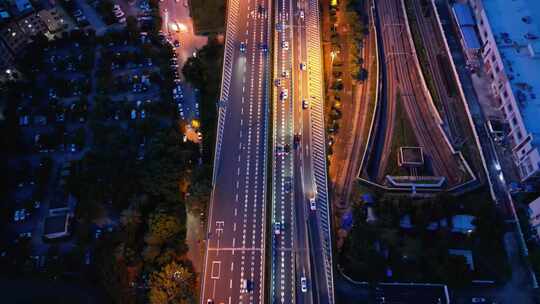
(303, 284)
(285, 74)
(17, 216)
(302, 14)
(25, 235)
(243, 286)
(312, 204)
(305, 104)
(284, 94)
(302, 66)
(285, 45)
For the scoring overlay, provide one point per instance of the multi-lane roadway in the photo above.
(283, 278)
(234, 267)
(300, 257)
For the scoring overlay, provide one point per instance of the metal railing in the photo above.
(226, 76)
(316, 89)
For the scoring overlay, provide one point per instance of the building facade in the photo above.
(534, 217)
(509, 32)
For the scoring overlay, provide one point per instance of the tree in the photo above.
(172, 284)
(534, 258)
(163, 227)
(199, 190)
(132, 25)
(131, 220)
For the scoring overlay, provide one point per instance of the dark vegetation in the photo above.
(204, 73)
(417, 254)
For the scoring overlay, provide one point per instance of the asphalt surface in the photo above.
(236, 220)
(297, 251)
(308, 101)
(284, 277)
(173, 14)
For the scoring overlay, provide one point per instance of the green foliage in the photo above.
(204, 73)
(173, 284)
(162, 227)
(418, 254)
(164, 167)
(199, 189)
(132, 25)
(208, 15)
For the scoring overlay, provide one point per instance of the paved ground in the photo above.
(194, 238)
(236, 221)
(176, 15)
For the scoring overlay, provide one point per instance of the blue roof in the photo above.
(470, 37)
(462, 223)
(368, 198)
(23, 5)
(516, 27)
(463, 14)
(347, 221)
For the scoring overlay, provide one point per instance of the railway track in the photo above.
(403, 77)
(429, 33)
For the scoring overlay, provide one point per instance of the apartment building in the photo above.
(510, 36)
(534, 218)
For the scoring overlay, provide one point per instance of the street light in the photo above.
(182, 27)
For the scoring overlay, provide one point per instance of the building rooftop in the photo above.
(516, 27)
(56, 226)
(463, 14)
(23, 6)
(411, 156)
(463, 223)
(470, 37)
(467, 254)
(534, 212)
